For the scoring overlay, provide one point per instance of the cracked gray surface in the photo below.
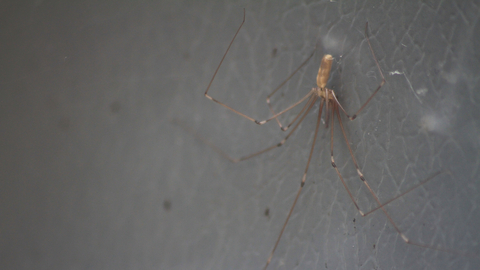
(95, 176)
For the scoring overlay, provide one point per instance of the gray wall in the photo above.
(93, 174)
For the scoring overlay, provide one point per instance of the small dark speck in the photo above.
(115, 107)
(373, 246)
(267, 212)
(353, 220)
(274, 52)
(326, 266)
(167, 205)
(64, 123)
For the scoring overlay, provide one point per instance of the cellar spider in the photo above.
(333, 107)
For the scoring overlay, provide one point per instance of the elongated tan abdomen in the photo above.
(324, 70)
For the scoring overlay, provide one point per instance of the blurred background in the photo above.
(94, 174)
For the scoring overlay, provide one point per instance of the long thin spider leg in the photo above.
(408, 191)
(294, 119)
(340, 105)
(216, 71)
(263, 121)
(285, 110)
(282, 84)
(332, 159)
(387, 202)
(389, 218)
(232, 109)
(312, 102)
(190, 130)
(327, 111)
(291, 75)
(376, 90)
(285, 128)
(304, 178)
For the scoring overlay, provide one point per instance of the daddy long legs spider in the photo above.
(327, 99)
